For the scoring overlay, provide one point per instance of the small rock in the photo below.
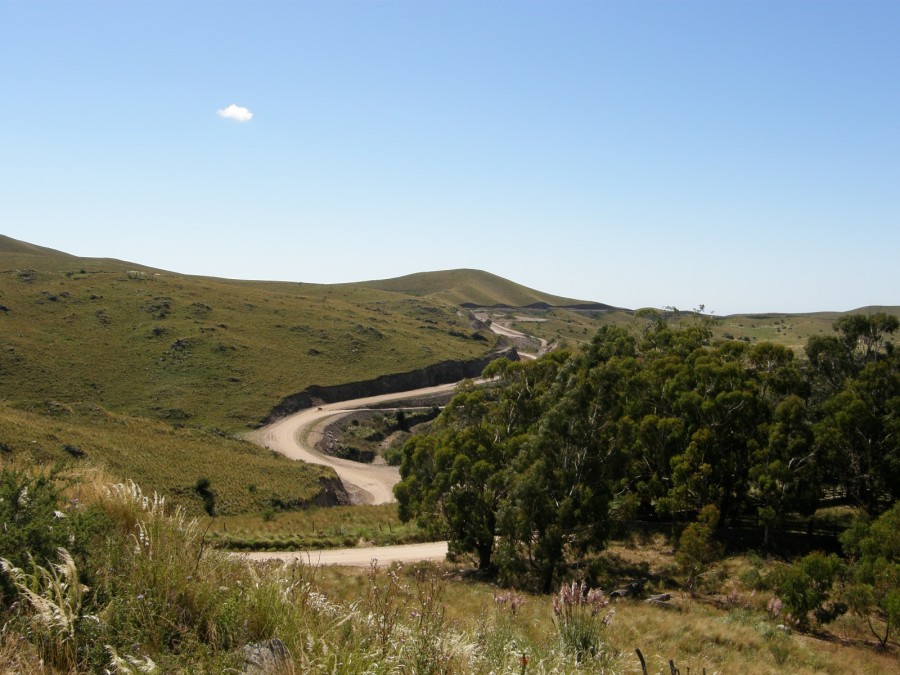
(265, 657)
(662, 601)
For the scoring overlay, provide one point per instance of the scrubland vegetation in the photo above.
(100, 576)
(721, 441)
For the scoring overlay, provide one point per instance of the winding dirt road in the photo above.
(295, 436)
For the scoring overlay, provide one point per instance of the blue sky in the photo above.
(742, 155)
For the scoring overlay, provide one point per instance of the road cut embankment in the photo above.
(445, 372)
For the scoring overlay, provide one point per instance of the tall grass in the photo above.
(54, 595)
(578, 621)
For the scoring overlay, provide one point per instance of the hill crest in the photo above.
(472, 288)
(468, 288)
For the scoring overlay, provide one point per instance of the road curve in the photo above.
(295, 436)
(501, 329)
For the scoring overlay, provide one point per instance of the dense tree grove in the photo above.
(657, 423)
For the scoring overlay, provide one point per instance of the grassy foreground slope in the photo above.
(243, 478)
(160, 600)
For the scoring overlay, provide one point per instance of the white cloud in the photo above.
(236, 113)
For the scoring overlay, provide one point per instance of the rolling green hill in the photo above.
(473, 288)
(22, 256)
(201, 351)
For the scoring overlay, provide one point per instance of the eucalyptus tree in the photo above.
(874, 552)
(857, 433)
(454, 480)
(564, 474)
(784, 476)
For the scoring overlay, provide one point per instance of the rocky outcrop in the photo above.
(261, 658)
(333, 493)
(444, 372)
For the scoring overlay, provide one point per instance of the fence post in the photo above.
(643, 663)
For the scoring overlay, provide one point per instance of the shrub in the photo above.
(875, 551)
(35, 524)
(697, 547)
(203, 489)
(805, 586)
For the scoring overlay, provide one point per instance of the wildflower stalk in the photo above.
(577, 618)
(55, 595)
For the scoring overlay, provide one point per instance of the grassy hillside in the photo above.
(20, 255)
(470, 288)
(93, 350)
(201, 351)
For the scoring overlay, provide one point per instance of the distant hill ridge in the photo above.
(467, 288)
(472, 288)
(19, 255)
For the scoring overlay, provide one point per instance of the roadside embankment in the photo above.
(444, 372)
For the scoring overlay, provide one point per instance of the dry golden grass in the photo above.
(331, 618)
(697, 635)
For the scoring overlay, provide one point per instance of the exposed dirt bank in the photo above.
(445, 372)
